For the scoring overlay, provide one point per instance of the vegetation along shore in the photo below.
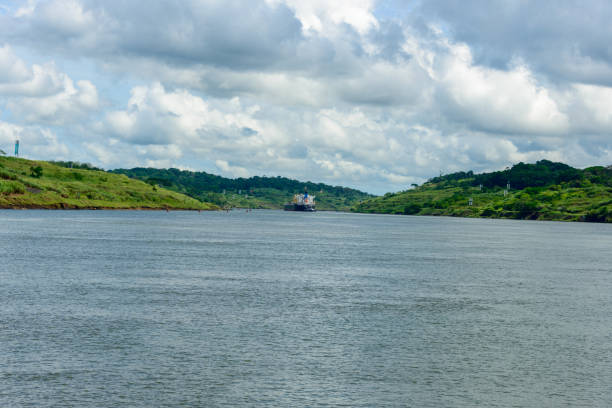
(541, 191)
(39, 184)
(252, 192)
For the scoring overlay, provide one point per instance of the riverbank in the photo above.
(28, 184)
(543, 191)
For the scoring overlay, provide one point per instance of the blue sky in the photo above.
(370, 94)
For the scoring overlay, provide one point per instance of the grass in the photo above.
(60, 187)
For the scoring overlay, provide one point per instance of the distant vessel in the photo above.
(301, 202)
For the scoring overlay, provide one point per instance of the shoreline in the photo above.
(65, 207)
(485, 218)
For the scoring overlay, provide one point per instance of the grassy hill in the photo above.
(39, 184)
(543, 191)
(254, 192)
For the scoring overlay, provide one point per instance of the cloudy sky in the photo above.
(369, 94)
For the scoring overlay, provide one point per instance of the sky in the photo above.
(375, 95)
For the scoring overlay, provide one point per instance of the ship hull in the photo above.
(299, 207)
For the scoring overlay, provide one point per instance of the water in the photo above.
(286, 309)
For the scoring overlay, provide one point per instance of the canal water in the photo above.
(272, 308)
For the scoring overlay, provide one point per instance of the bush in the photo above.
(523, 209)
(533, 190)
(441, 204)
(36, 172)
(575, 183)
(488, 212)
(600, 215)
(412, 208)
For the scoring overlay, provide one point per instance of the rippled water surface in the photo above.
(271, 308)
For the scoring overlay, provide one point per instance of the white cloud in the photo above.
(234, 171)
(499, 101)
(154, 116)
(321, 15)
(329, 91)
(26, 9)
(64, 16)
(17, 79)
(357, 146)
(40, 94)
(12, 69)
(592, 108)
(72, 103)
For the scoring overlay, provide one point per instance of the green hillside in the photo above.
(39, 184)
(254, 192)
(542, 191)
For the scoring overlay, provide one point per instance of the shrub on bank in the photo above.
(412, 208)
(603, 214)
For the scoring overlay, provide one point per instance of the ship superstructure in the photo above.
(301, 202)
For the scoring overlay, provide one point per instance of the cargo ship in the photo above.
(301, 202)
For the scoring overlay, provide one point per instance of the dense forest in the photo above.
(545, 190)
(253, 192)
(520, 176)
